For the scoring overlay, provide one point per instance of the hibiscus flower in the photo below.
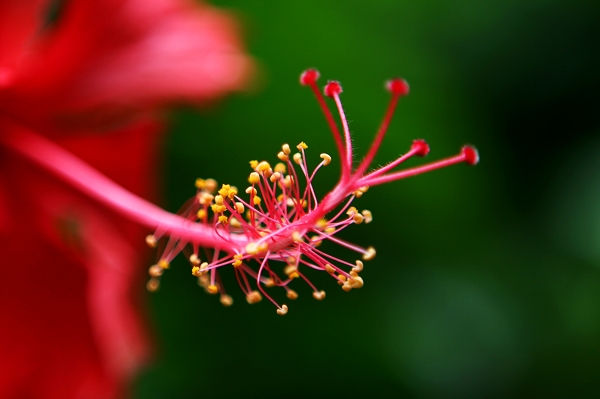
(90, 76)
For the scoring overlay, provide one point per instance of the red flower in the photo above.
(91, 78)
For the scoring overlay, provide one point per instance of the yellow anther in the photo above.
(282, 310)
(210, 185)
(347, 286)
(322, 223)
(359, 267)
(357, 282)
(280, 167)
(224, 191)
(256, 200)
(251, 191)
(196, 271)
(280, 198)
(226, 300)
(358, 218)
(203, 267)
(223, 219)
(291, 271)
(203, 280)
(212, 289)
(253, 297)
(151, 240)
(302, 146)
(201, 214)
(194, 259)
(233, 222)
(239, 207)
(153, 285)
(291, 294)
(297, 158)
(275, 177)
(218, 208)
(316, 240)
(368, 216)
(364, 189)
(341, 277)
(358, 193)
(370, 254)
(330, 230)
(163, 264)
(200, 183)
(254, 178)
(286, 149)
(351, 211)
(237, 260)
(232, 192)
(253, 164)
(297, 237)
(269, 282)
(353, 274)
(319, 295)
(329, 269)
(282, 157)
(219, 200)
(326, 159)
(205, 199)
(287, 182)
(263, 166)
(155, 271)
(252, 248)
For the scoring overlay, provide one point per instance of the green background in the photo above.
(486, 281)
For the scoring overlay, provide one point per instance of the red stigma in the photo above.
(421, 147)
(333, 88)
(471, 155)
(398, 86)
(309, 77)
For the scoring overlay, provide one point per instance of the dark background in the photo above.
(487, 279)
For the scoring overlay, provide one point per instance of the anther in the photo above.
(397, 86)
(282, 156)
(226, 300)
(297, 158)
(291, 294)
(286, 149)
(163, 264)
(357, 282)
(280, 168)
(257, 200)
(332, 88)
(194, 260)
(329, 269)
(347, 286)
(263, 166)
(359, 267)
(210, 185)
(309, 77)
(155, 271)
(153, 285)
(253, 297)
(471, 155)
(275, 177)
(367, 215)
(302, 146)
(251, 190)
(282, 310)
(212, 289)
(319, 295)
(326, 159)
(196, 271)
(370, 254)
(254, 178)
(151, 240)
(253, 163)
(239, 207)
(219, 200)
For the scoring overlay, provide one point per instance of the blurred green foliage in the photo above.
(487, 279)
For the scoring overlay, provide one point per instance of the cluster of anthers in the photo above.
(272, 235)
